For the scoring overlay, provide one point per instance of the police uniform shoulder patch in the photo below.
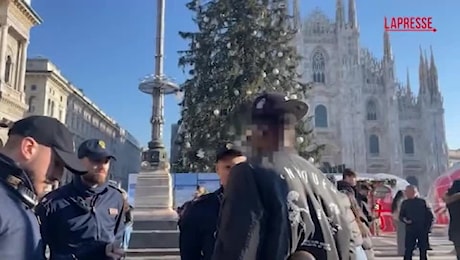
(115, 187)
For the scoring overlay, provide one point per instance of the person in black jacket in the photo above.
(198, 221)
(452, 199)
(279, 203)
(418, 217)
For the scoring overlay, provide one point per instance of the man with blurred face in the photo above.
(37, 150)
(199, 219)
(85, 218)
(266, 209)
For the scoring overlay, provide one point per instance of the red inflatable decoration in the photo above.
(383, 198)
(438, 190)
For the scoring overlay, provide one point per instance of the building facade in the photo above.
(49, 93)
(366, 118)
(16, 19)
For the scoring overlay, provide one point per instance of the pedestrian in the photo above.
(35, 154)
(85, 218)
(400, 226)
(278, 203)
(128, 221)
(354, 215)
(452, 200)
(418, 218)
(198, 224)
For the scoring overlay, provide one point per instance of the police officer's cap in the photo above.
(272, 105)
(94, 149)
(227, 150)
(50, 132)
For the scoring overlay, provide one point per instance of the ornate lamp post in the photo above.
(157, 85)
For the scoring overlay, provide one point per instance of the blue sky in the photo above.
(106, 46)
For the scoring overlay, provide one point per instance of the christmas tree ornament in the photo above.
(200, 153)
(300, 140)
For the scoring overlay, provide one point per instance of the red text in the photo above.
(408, 24)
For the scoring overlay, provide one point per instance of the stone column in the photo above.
(3, 41)
(22, 68)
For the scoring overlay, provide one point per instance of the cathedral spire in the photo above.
(422, 74)
(433, 73)
(296, 13)
(427, 71)
(339, 14)
(352, 19)
(408, 88)
(387, 53)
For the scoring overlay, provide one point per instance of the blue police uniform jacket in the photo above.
(79, 221)
(198, 225)
(19, 231)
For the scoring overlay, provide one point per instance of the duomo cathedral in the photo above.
(363, 115)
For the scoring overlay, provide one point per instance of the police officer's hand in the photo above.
(113, 251)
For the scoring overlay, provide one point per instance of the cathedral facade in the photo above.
(362, 114)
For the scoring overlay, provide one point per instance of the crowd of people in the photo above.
(273, 203)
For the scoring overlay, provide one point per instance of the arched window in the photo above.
(409, 145)
(374, 146)
(31, 103)
(371, 110)
(321, 116)
(319, 67)
(8, 65)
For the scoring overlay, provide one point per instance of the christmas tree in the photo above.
(241, 49)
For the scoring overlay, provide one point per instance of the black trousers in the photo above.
(416, 237)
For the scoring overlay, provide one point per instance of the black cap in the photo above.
(271, 105)
(50, 132)
(227, 149)
(94, 149)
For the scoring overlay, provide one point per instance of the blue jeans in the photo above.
(127, 236)
(360, 254)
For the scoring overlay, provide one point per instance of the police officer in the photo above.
(37, 150)
(84, 219)
(199, 220)
(279, 203)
